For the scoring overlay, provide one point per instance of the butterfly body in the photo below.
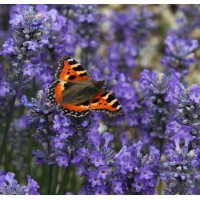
(81, 92)
(76, 93)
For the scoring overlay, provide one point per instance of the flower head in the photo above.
(179, 53)
(10, 186)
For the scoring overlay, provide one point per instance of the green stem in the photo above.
(29, 157)
(55, 178)
(8, 157)
(5, 136)
(50, 180)
(62, 182)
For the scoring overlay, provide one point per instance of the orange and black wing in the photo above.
(69, 73)
(70, 70)
(55, 95)
(105, 101)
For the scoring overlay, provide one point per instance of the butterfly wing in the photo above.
(55, 96)
(65, 93)
(70, 70)
(105, 101)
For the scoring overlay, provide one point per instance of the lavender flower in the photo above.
(28, 37)
(141, 24)
(41, 117)
(122, 49)
(95, 161)
(127, 42)
(5, 88)
(185, 120)
(188, 22)
(181, 167)
(10, 186)
(159, 90)
(44, 32)
(179, 173)
(179, 53)
(85, 18)
(60, 43)
(137, 170)
(126, 171)
(191, 13)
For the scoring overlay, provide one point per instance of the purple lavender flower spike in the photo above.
(161, 93)
(27, 39)
(10, 186)
(179, 53)
(194, 93)
(137, 170)
(185, 121)
(187, 22)
(178, 173)
(32, 187)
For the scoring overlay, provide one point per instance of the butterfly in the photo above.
(75, 93)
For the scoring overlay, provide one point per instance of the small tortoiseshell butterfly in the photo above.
(76, 93)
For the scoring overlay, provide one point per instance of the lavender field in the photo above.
(143, 137)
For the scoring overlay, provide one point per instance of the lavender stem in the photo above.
(5, 136)
(50, 179)
(63, 181)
